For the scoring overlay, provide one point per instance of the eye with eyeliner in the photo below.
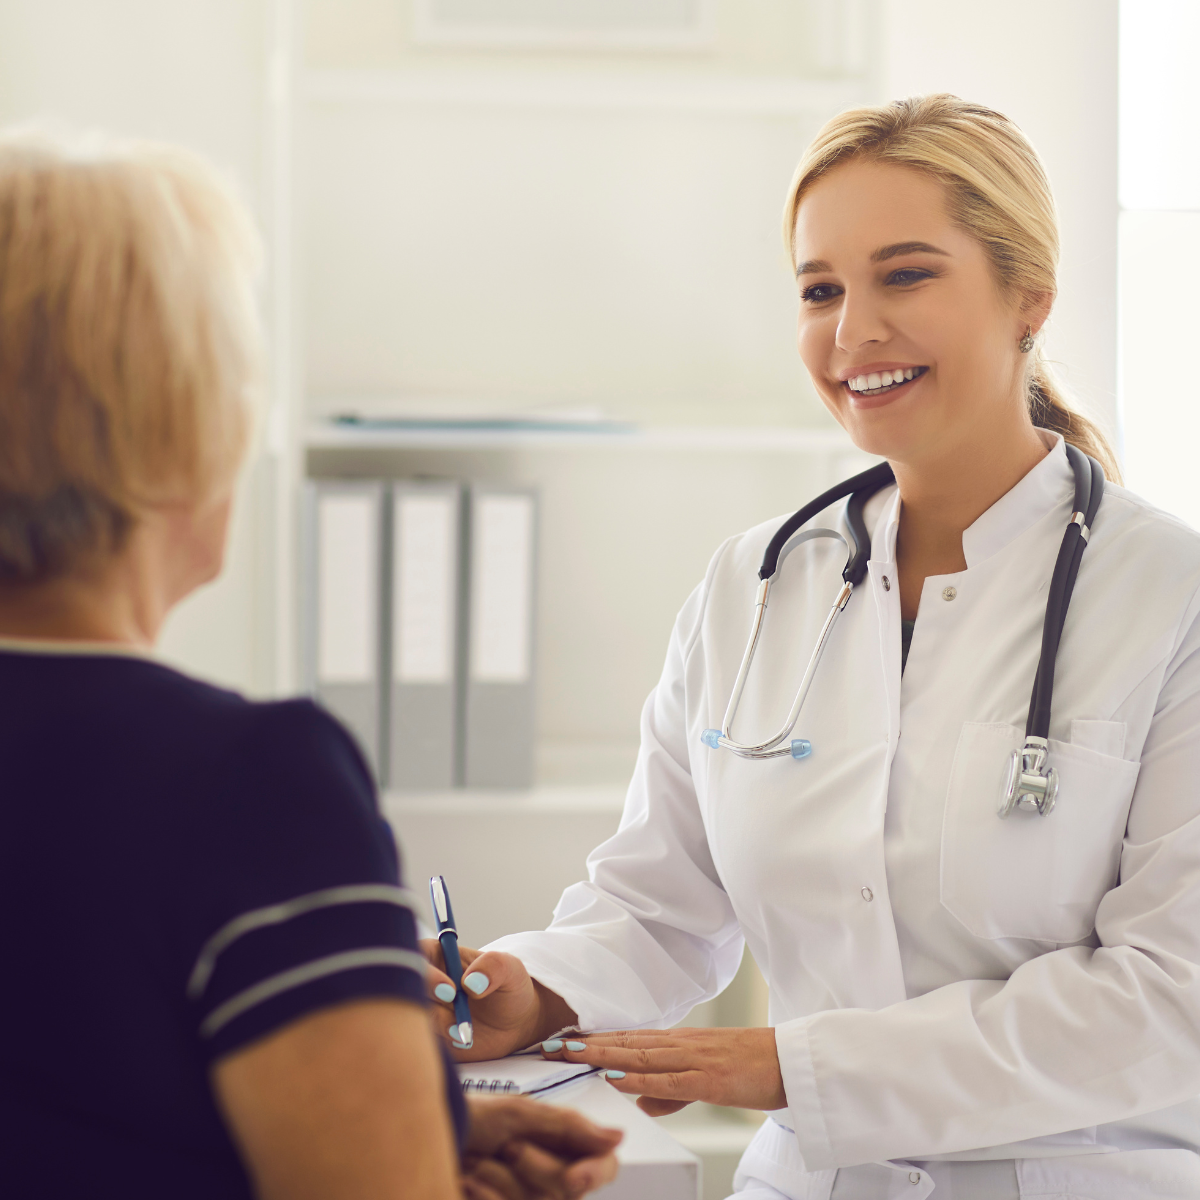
(907, 276)
(818, 293)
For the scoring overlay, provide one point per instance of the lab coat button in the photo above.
(949, 593)
(867, 894)
(887, 584)
(914, 1177)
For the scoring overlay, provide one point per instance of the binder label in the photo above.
(347, 536)
(423, 617)
(501, 588)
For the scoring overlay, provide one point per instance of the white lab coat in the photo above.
(942, 983)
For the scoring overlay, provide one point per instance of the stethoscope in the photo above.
(1029, 785)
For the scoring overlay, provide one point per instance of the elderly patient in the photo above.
(211, 982)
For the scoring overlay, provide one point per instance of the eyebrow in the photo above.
(815, 265)
(898, 248)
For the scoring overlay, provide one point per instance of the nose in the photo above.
(860, 322)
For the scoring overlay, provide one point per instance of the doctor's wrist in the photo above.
(551, 1014)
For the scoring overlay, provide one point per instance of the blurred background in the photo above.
(572, 206)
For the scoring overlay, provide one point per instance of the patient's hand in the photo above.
(520, 1147)
(509, 1010)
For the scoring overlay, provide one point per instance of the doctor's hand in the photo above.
(520, 1148)
(670, 1068)
(509, 1009)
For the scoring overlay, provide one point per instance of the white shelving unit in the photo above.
(629, 522)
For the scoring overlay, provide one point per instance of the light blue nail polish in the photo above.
(477, 981)
(553, 1046)
(453, 1032)
(614, 1074)
(575, 1047)
(444, 992)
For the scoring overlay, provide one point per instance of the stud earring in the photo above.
(1026, 343)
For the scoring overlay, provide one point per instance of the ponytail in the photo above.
(1051, 409)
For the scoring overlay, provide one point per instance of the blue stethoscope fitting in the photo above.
(1029, 785)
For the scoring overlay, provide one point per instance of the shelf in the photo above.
(756, 439)
(480, 802)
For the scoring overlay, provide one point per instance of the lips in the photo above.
(869, 384)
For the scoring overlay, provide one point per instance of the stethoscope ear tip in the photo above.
(711, 738)
(801, 748)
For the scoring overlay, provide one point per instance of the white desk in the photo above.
(654, 1166)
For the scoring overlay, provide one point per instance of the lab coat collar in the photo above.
(1033, 497)
(1020, 507)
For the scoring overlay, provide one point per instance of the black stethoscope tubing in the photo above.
(1030, 785)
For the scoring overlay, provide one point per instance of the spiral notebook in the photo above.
(526, 1074)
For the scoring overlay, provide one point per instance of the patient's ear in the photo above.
(189, 539)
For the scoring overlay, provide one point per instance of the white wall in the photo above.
(610, 244)
(188, 71)
(566, 227)
(1050, 65)
(1160, 252)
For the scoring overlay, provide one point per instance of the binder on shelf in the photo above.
(426, 569)
(498, 692)
(344, 523)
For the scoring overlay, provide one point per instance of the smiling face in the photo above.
(909, 340)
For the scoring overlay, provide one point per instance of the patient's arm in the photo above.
(347, 1103)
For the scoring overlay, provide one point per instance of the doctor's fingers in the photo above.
(483, 975)
(738, 1068)
(679, 1088)
(661, 1108)
(493, 971)
(650, 1059)
(431, 948)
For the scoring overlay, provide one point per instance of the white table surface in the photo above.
(654, 1166)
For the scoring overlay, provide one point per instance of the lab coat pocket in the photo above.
(1029, 876)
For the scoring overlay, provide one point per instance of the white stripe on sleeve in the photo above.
(277, 914)
(349, 960)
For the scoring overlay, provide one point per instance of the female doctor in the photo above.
(962, 1003)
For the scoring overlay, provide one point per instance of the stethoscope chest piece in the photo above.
(1029, 786)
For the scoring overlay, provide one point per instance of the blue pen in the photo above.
(448, 936)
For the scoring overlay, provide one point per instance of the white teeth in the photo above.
(881, 379)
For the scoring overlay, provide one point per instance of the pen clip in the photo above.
(441, 903)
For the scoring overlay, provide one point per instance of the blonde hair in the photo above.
(997, 191)
(129, 342)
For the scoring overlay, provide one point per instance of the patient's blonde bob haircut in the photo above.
(996, 190)
(129, 343)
